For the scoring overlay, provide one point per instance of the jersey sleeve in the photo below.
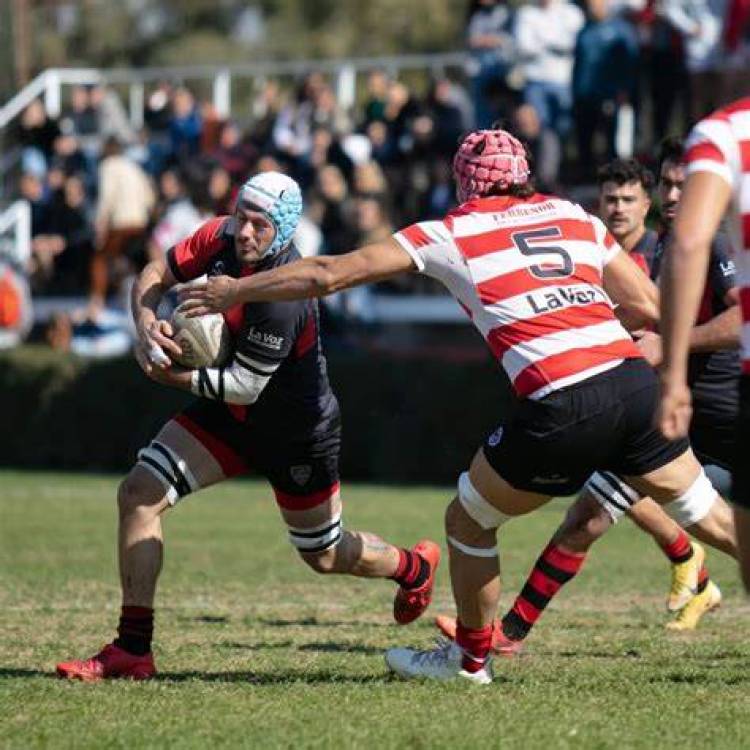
(711, 147)
(268, 334)
(190, 258)
(605, 240)
(722, 271)
(431, 247)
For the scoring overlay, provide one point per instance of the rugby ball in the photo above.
(205, 341)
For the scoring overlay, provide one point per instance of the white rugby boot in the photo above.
(444, 662)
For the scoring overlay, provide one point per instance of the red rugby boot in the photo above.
(110, 663)
(409, 604)
(501, 644)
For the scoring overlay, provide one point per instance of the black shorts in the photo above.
(741, 470)
(713, 427)
(303, 470)
(553, 445)
(714, 442)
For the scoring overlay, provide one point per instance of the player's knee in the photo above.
(456, 519)
(466, 535)
(694, 504)
(320, 547)
(584, 523)
(169, 469)
(321, 562)
(129, 493)
(475, 507)
(135, 498)
(615, 496)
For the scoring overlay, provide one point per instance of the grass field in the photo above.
(256, 651)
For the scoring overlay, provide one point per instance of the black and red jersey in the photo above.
(282, 337)
(712, 375)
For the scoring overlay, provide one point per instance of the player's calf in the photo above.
(586, 521)
(357, 553)
(326, 562)
(471, 524)
(716, 528)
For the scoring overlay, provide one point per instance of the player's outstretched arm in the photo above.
(703, 203)
(309, 277)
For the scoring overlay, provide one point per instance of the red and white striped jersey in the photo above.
(720, 143)
(528, 272)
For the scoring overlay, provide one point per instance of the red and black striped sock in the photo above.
(136, 629)
(680, 550)
(554, 568)
(476, 644)
(412, 571)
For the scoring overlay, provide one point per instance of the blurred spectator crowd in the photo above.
(580, 83)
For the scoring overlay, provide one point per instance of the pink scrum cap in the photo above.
(488, 158)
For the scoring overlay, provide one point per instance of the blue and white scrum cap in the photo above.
(278, 196)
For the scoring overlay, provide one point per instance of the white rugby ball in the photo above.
(205, 341)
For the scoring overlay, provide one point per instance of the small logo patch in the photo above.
(495, 438)
(728, 268)
(301, 474)
(218, 269)
(266, 340)
(551, 479)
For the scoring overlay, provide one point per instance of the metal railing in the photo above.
(344, 72)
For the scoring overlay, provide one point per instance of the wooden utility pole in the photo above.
(22, 41)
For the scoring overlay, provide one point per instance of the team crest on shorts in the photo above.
(301, 474)
(495, 438)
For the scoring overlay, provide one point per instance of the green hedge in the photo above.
(406, 419)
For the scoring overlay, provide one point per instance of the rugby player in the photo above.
(270, 410)
(539, 278)
(717, 181)
(624, 201)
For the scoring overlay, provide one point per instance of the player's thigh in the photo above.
(670, 480)
(495, 490)
(649, 463)
(178, 462)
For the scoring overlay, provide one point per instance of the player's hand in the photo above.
(215, 295)
(675, 410)
(650, 345)
(175, 376)
(154, 346)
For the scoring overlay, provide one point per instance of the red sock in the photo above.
(136, 629)
(412, 571)
(554, 568)
(680, 550)
(476, 644)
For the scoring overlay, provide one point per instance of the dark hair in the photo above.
(671, 149)
(472, 7)
(515, 191)
(624, 171)
(112, 146)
